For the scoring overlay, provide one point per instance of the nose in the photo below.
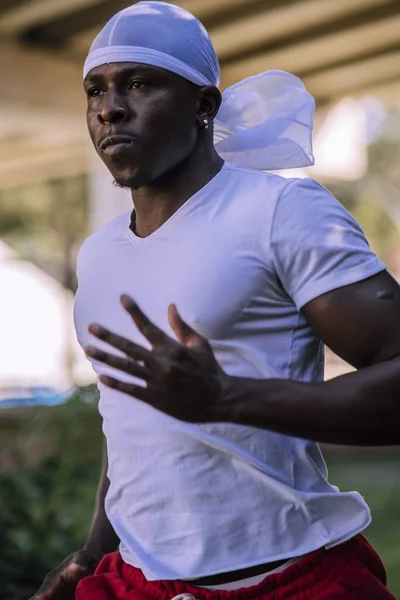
(113, 109)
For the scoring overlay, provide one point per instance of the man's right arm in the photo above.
(61, 583)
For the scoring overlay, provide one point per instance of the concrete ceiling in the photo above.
(338, 47)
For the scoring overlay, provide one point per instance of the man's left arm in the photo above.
(361, 324)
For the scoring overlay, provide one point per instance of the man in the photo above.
(209, 399)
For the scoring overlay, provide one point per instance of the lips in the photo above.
(115, 144)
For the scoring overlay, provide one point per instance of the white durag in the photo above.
(264, 122)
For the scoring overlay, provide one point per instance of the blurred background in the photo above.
(54, 192)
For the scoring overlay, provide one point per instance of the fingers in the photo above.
(120, 343)
(126, 365)
(154, 334)
(126, 388)
(183, 331)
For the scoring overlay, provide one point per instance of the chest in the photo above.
(211, 280)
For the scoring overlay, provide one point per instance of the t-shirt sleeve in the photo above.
(316, 245)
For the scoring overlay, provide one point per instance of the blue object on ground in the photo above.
(36, 396)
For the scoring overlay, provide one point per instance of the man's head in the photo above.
(151, 80)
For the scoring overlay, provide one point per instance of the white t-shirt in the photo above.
(239, 259)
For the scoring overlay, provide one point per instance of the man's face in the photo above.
(141, 119)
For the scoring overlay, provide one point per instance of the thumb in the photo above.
(76, 570)
(75, 573)
(185, 334)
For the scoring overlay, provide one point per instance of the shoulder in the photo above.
(305, 204)
(316, 244)
(278, 190)
(277, 200)
(252, 193)
(306, 191)
(258, 180)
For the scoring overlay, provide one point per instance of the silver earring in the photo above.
(205, 122)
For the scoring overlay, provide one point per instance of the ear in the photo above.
(209, 102)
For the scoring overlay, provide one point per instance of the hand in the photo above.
(183, 378)
(61, 583)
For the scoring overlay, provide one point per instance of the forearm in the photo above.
(102, 538)
(361, 408)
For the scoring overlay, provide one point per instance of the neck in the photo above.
(156, 203)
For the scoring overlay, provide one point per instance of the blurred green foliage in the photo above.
(45, 509)
(375, 473)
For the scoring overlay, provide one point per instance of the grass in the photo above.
(376, 475)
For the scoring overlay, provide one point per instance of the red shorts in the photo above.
(351, 571)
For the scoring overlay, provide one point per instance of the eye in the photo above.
(136, 84)
(95, 92)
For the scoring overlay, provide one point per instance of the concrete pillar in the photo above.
(105, 200)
